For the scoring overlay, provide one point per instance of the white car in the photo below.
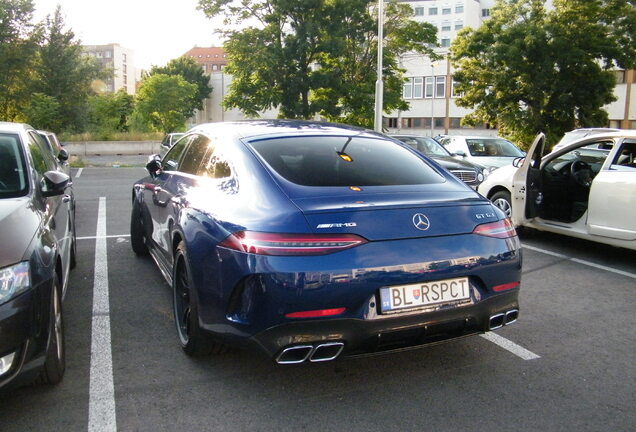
(575, 134)
(489, 153)
(586, 189)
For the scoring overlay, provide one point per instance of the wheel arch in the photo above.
(496, 189)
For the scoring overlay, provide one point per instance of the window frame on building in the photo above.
(440, 86)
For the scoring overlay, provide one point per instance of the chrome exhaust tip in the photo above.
(511, 316)
(294, 354)
(326, 352)
(497, 321)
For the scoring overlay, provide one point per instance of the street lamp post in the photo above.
(433, 84)
(379, 85)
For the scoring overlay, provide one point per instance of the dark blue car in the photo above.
(308, 241)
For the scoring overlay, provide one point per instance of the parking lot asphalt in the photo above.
(576, 323)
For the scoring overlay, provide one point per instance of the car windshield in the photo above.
(492, 147)
(13, 180)
(426, 145)
(344, 161)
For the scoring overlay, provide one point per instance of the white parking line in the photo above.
(101, 405)
(580, 261)
(101, 237)
(509, 345)
(79, 173)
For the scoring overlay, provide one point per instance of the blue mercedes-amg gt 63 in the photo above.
(309, 241)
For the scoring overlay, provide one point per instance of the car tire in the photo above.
(502, 201)
(55, 363)
(194, 341)
(73, 258)
(137, 234)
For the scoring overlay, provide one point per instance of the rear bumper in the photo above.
(360, 336)
(248, 301)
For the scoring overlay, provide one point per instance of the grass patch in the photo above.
(112, 136)
(77, 162)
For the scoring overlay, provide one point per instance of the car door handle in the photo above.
(66, 198)
(155, 197)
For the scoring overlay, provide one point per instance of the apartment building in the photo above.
(429, 87)
(211, 59)
(121, 62)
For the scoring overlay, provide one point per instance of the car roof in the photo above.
(476, 137)
(250, 129)
(14, 127)
(612, 133)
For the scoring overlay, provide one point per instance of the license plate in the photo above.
(424, 294)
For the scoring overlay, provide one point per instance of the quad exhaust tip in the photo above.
(318, 353)
(501, 319)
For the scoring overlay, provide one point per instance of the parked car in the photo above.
(57, 150)
(576, 134)
(169, 140)
(487, 152)
(307, 241)
(467, 172)
(586, 189)
(37, 230)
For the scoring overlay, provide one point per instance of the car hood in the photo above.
(18, 224)
(493, 161)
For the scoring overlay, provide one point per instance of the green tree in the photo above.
(65, 72)
(43, 112)
(315, 56)
(18, 44)
(163, 101)
(529, 69)
(110, 112)
(192, 72)
(353, 62)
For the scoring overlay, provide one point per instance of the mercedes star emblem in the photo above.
(421, 222)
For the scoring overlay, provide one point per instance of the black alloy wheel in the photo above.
(73, 258)
(55, 364)
(194, 340)
(137, 235)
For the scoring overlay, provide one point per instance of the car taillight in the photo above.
(290, 244)
(499, 229)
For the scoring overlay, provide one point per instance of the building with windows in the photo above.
(429, 87)
(211, 59)
(120, 61)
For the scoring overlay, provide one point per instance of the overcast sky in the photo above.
(156, 30)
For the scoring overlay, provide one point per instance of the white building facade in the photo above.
(121, 61)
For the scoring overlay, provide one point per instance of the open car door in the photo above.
(526, 184)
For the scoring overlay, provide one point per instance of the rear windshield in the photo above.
(344, 161)
(492, 147)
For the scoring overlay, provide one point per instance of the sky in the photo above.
(156, 30)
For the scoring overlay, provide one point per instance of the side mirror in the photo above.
(517, 162)
(154, 165)
(459, 153)
(54, 183)
(63, 155)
